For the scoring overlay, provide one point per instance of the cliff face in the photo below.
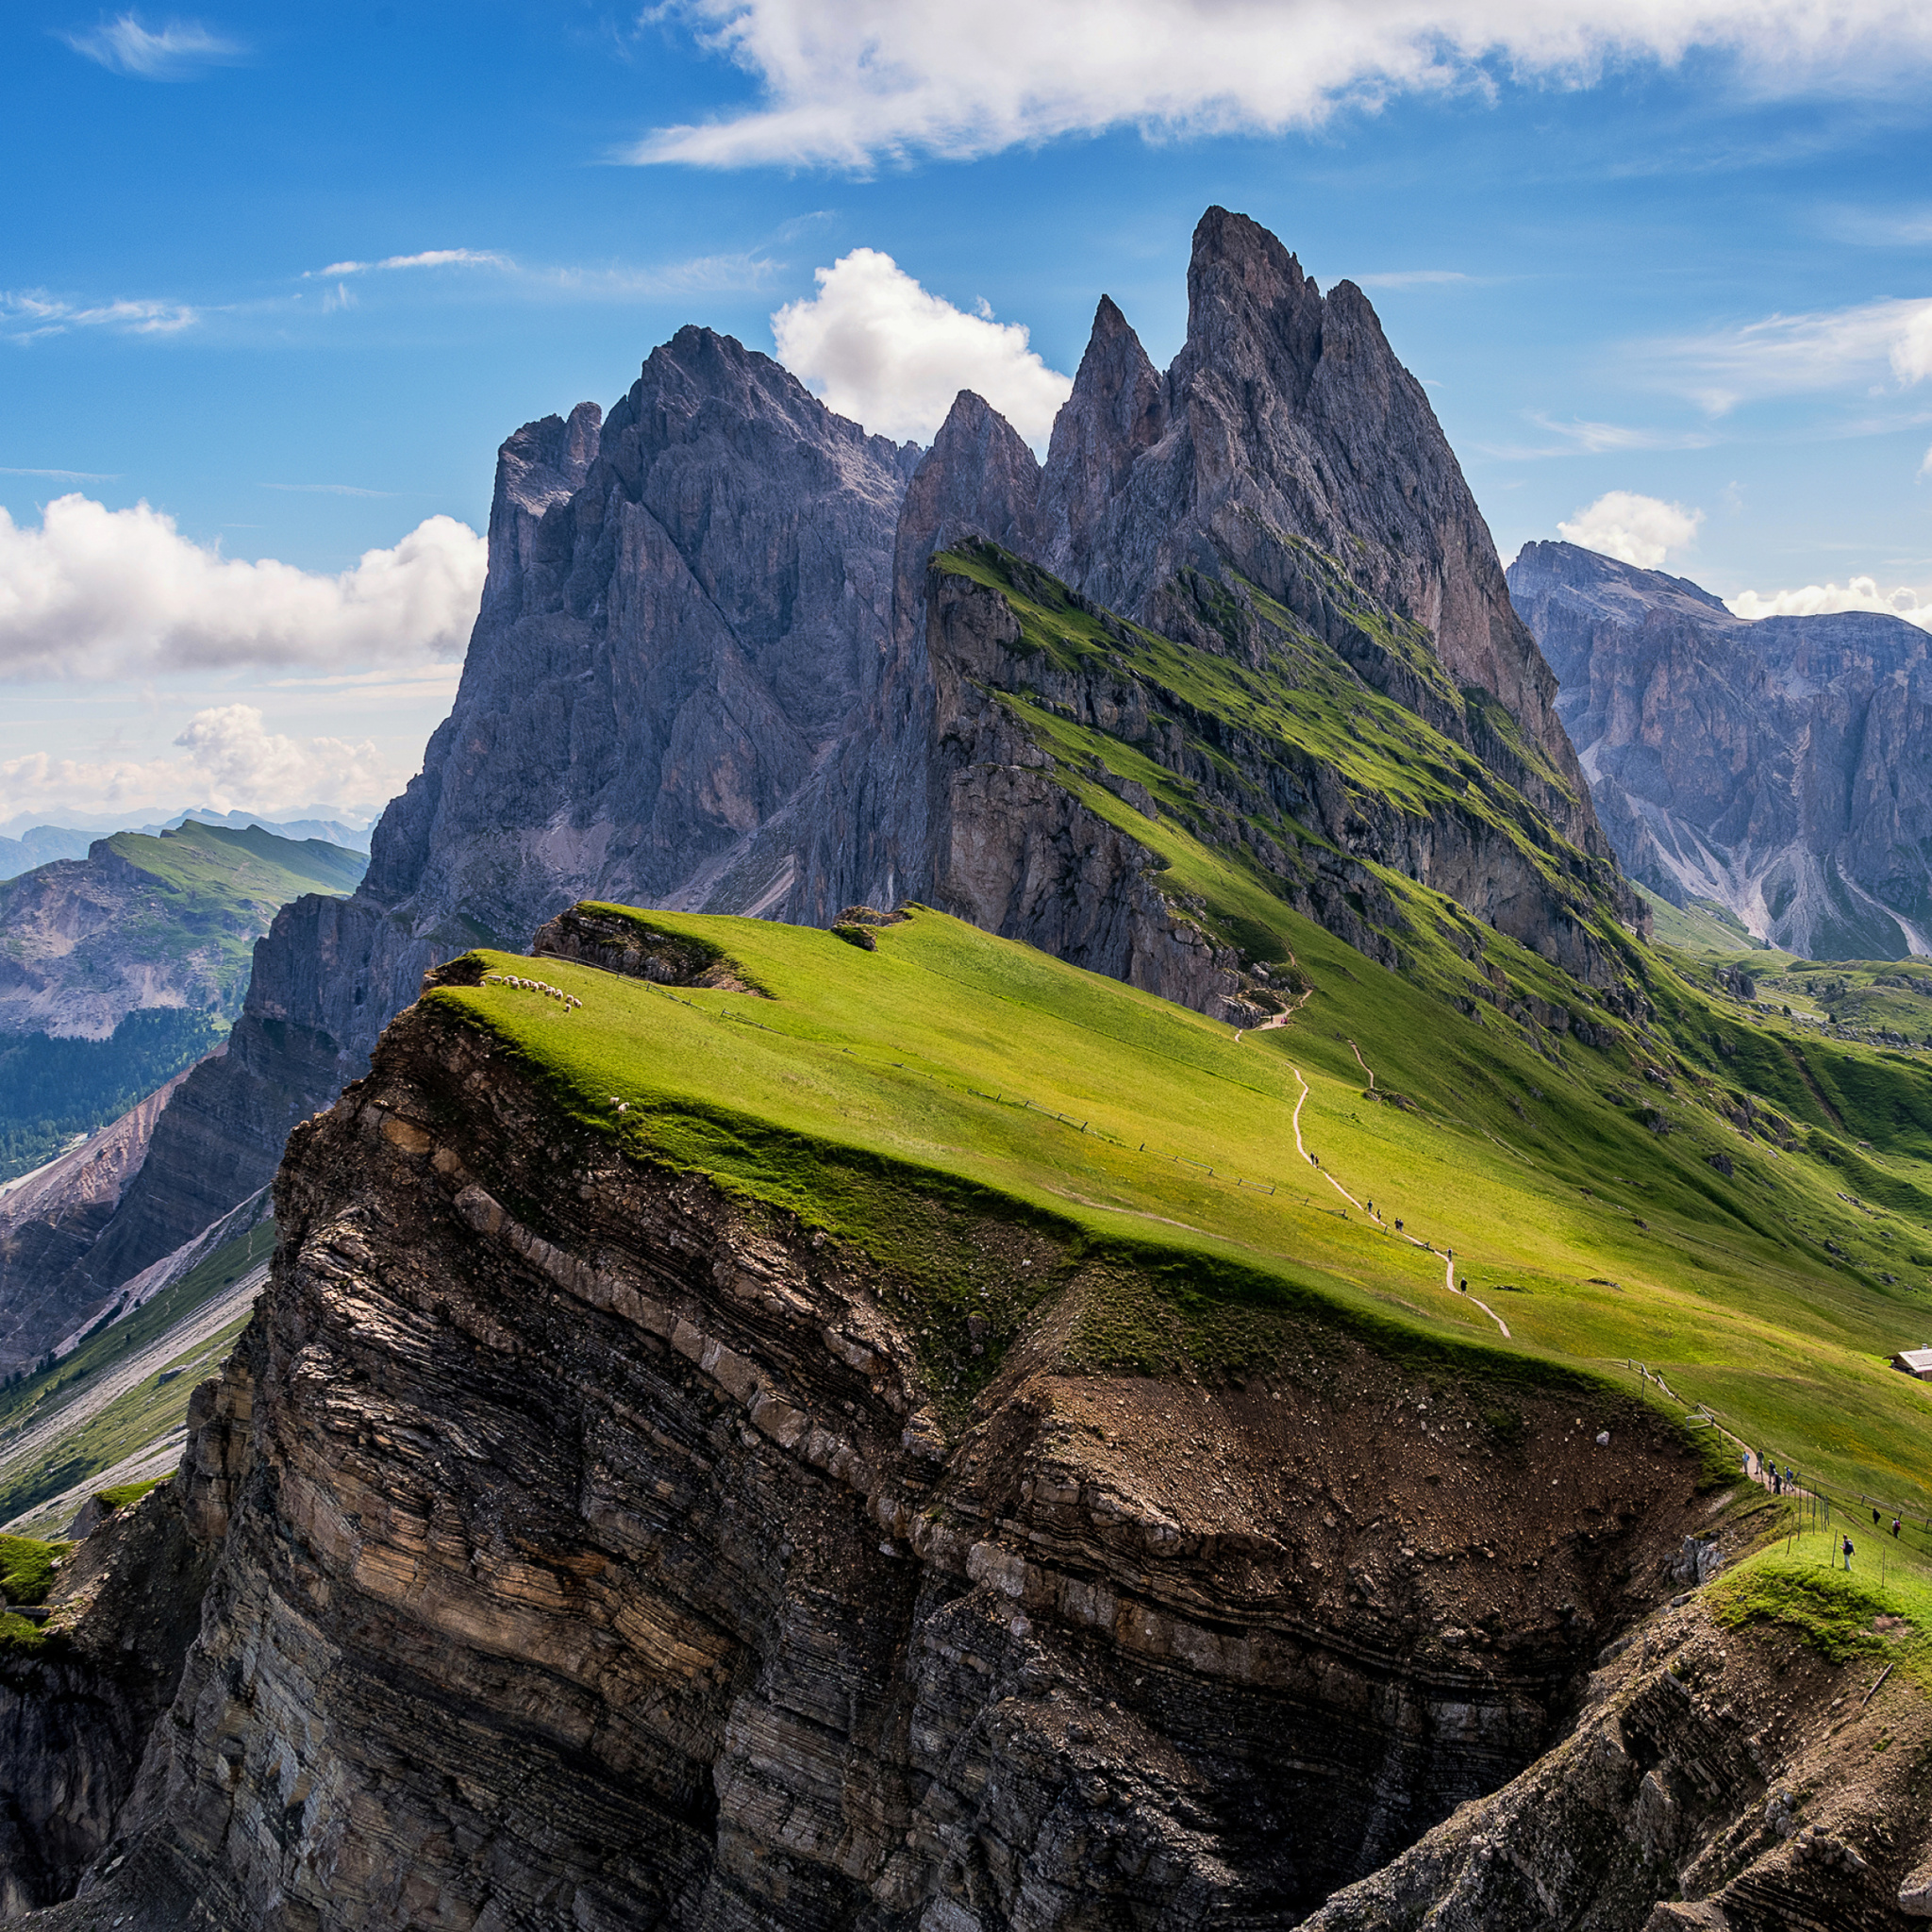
(1768, 766)
(602, 1551)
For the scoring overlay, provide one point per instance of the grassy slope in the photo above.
(1597, 1240)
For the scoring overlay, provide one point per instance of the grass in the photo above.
(27, 1568)
(147, 1413)
(962, 1069)
(1881, 1610)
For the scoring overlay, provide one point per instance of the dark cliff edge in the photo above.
(599, 1548)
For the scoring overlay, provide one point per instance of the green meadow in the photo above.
(951, 1065)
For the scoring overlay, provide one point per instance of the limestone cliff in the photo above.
(1769, 766)
(599, 1549)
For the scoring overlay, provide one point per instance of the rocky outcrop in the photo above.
(1718, 1779)
(602, 1549)
(51, 1218)
(78, 1703)
(1771, 766)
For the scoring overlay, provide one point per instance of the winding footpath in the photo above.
(1414, 1240)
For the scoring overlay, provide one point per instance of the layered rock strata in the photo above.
(1720, 1779)
(606, 1551)
(1769, 766)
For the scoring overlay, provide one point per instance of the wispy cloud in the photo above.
(64, 475)
(1795, 355)
(326, 488)
(27, 314)
(1412, 278)
(178, 51)
(428, 258)
(854, 83)
(1581, 437)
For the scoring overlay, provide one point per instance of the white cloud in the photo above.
(878, 348)
(1815, 600)
(231, 762)
(429, 257)
(95, 593)
(26, 314)
(1796, 355)
(850, 82)
(175, 51)
(1579, 437)
(1643, 530)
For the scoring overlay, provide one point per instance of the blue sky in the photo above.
(1697, 274)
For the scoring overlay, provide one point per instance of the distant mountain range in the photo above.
(1775, 768)
(120, 969)
(31, 844)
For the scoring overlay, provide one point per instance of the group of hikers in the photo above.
(1778, 1481)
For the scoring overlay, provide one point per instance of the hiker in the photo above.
(1894, 1529)
(1398, 1226)
(1874, 1518)
(1848, 1553)
(1777, 1488)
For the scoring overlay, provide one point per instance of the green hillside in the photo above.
(163, 952)
(1578, 1194)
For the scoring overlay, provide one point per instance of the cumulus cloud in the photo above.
(230, 761)
(1795, 355)
(1643, 530)
(878, 348)
(178, 51)
(850, 82)
(1815, 600)
(95, 593)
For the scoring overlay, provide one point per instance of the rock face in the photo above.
(1699, 1792)
(1771, 766)
(76, 1711)
(706, 676)
(596, 1553)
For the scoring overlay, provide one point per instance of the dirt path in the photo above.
(1414, 1242)
(199, 1326)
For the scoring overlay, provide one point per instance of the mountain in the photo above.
(1771, 767)
(41, 845)
(760, 1426)
(117, 972)
(704, 675)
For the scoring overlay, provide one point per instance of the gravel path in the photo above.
(1448, 1260)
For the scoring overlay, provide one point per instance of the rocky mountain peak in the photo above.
(978, 479)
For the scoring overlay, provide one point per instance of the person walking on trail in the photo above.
(1874, 1518)
(1894, 1529)
(1848, 1553)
